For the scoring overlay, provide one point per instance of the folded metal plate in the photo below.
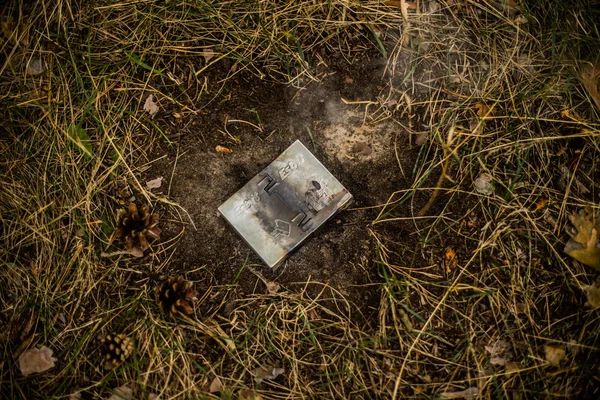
(286, 202)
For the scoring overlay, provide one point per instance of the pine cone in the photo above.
(116, 349)
(134, 225)
(175, 295)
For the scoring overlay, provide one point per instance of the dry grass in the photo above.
(70, 133)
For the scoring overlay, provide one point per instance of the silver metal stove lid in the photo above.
(282, 205)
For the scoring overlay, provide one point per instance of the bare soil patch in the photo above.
(328, 117)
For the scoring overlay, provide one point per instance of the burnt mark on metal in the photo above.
(282, 205)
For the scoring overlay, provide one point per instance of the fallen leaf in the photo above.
(421, 138)
(520, 20)
(584, 223)
(469, 393)
(450, 260)
(398, 3)
(403, 5)
(543, 202)
(122, 393)
(566, 114)
(404, 318)
(499, 351)
(592, 292)
(36, 360)
(151, 106)
(590, 77)
(35, 66)
(555, 354)
(215, 385)
(223, 150)
(208, 54)
(420, 390)
(434, 7)
(483, 184)
(155, 183)
(263, 373)
(584, 245)
(153, 396)
(248, 394)
(484, 111)
(273, 287)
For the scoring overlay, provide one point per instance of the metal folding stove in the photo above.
(284, 204)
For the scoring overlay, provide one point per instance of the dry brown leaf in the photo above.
(223, 150)
(451, 261)
(215, 385)
(483, 184)
(590, 77)
(500, 352)
(592, 292)
(208, 54)
(566, 114)
(268, 372)
(574, 116)
(484, 111)
(273, 287)
(555, 354)
(520, 20)
(35, 66)
(155, 183)
(584, 245)
(543, 202)
(421, 138)
(122, 393)
(409, 5)
(403, 5)
(36, 360)
(151, 106)
(248, 394)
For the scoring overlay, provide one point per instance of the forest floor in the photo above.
(467, 132)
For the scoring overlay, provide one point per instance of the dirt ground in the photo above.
(328, 117)
(428, 286)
